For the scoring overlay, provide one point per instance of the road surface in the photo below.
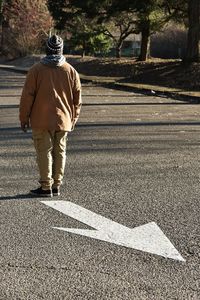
(133, 160)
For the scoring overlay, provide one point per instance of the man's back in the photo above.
(54, 93)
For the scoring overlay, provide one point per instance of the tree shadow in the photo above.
(27, 196)
(167, 74)
(7, 106)
(139, 123)
(14, 133)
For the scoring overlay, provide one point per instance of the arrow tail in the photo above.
(85, 216)
(87, 232)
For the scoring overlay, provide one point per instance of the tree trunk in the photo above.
(83, 53)
(4, 37)
(83, 49)
(192, 52)
(1, 24)
(119, 49)
(145, 42)
(118, 52)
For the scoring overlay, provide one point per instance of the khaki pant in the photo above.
(50, 149)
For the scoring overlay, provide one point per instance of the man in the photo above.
(51, 100)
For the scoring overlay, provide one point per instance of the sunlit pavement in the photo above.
(132, 160)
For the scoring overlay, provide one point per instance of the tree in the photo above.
(1, 11)
(118, 28)
(154, 14)
(187, 12)
(85, 34)
(88, 38)
(193, 44)
(147, 16)
(150, 18)
(3, 23)
(28, 22)
(117, 25)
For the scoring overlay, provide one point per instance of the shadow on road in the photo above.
(12, 133)
(11, 106)
(19, 197)
(127, 124)
(7, 106)
(140, 104)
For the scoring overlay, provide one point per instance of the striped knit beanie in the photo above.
(54, 45)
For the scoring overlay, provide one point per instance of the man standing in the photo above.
(51, 100)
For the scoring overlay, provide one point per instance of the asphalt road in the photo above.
(132, 159)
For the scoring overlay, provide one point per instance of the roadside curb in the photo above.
(160, 91)
(150, 90)
(85, 78)
(14, 68)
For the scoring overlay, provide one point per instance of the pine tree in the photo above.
(149, 16)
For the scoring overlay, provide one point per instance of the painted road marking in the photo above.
(148, 238)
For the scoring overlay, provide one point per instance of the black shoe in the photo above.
(41, 193)
(56, 191)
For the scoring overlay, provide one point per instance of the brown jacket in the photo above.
(51, 97)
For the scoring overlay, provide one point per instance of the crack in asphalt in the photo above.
(65, 268)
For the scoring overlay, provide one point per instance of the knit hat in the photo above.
(54, 45)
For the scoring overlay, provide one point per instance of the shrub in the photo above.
(26, 23)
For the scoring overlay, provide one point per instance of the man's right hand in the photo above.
(24, 126)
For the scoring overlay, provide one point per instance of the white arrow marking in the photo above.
(148, 237)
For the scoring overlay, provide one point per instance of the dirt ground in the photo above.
(169, 73)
